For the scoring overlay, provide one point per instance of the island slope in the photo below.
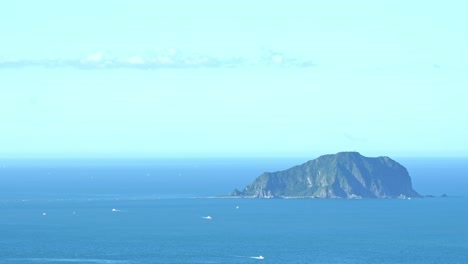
(342, 175)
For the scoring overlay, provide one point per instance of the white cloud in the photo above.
(165, 60)
(172, 51)
(170, 59)
(97, 57)
(197, 61)
(277, 59)
(135, 60)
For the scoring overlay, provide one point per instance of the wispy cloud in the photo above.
(170, 59)
(275, 58)
(97, 57)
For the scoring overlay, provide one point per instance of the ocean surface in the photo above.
(155, 211)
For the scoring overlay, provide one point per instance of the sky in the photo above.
(115, 78)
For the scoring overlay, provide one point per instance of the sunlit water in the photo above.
(45, 218)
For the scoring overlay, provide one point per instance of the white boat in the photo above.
(207, 217)
(259, 257)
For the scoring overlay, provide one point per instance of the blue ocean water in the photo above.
(62, 212)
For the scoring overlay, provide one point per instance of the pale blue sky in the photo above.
(233, 78)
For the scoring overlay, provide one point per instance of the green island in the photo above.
(342, 175)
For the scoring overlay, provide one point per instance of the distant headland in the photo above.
(342, 175)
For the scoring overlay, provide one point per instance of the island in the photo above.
(341, 175)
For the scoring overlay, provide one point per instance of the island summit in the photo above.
(342, 175)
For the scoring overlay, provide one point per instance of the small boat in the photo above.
(207, 217)
(259, 257)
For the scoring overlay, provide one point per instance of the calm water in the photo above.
(157, 220)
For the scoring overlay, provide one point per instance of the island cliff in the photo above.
(342, 175)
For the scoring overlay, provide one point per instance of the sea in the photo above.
(169, 211)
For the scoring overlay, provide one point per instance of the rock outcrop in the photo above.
(342, 175)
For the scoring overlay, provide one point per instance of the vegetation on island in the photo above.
(342, 175)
